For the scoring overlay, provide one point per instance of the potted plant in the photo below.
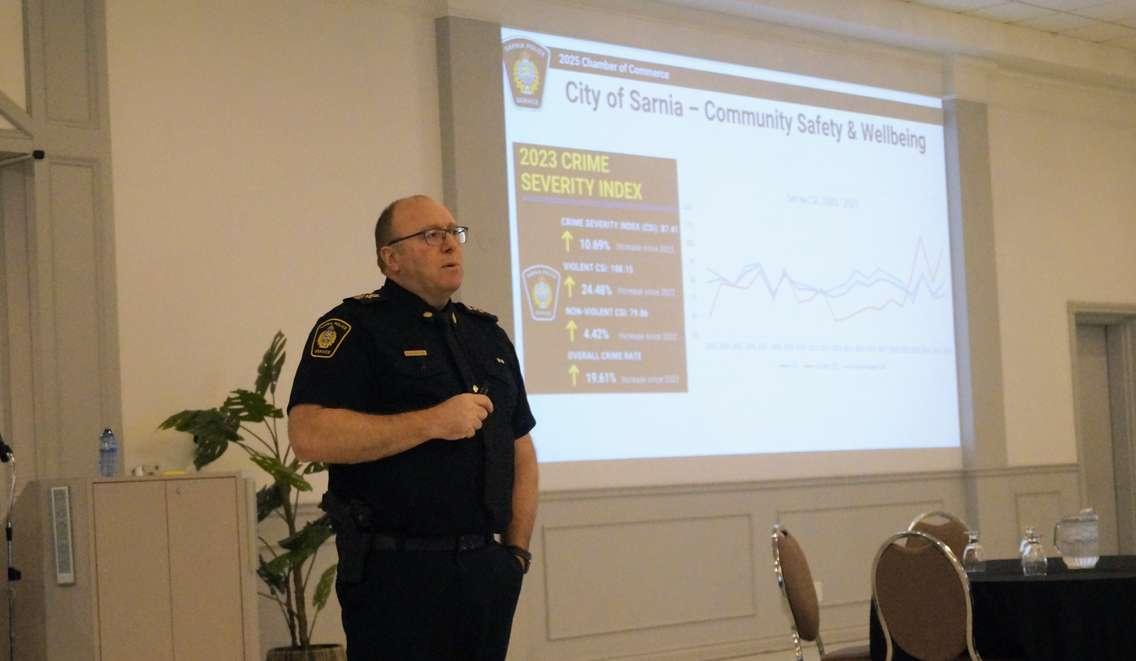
(248, 419)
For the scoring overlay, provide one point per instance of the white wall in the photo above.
(1063, 162)
(254, 143)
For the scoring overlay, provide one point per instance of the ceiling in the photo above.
(1109, 23)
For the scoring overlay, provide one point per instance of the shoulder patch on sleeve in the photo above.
(476, 312)
(329, 335)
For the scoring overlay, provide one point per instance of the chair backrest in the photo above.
(945, 527)
(796, 582)
(922, 598)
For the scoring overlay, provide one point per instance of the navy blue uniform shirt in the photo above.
(387, 352)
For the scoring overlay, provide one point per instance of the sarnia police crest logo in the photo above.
(542, 288)
(328, 337)
(526, 67)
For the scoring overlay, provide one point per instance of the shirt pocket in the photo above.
(419, 379)
(502, 386)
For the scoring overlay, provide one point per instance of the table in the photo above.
(1066, 614)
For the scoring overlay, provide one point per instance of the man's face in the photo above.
(434, 273)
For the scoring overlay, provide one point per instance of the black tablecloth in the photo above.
(1066, 614)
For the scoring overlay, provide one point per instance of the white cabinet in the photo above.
(163, 569)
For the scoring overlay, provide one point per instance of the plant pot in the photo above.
(314, 653)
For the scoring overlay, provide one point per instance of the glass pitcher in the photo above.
(1077, 538)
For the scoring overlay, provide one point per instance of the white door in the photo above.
(1094, 430)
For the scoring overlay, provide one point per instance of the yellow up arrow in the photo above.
(567, 236)
(569, 283)
(571, 328)
(573, 371)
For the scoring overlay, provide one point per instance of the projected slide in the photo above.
(714, 259)
(602, 271)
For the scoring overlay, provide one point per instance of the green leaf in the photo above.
(207, 449)
(323, 588)
(280, 472)
(268, 499)
(275, 572)
(314, 467)
(205, 422)
(268, 370)
(299, 549)
(248, 406)
(308, 540)
(212, 432)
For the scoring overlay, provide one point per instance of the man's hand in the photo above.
(460, 416)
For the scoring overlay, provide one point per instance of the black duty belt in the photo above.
(382, 542)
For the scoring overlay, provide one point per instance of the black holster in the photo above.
(351, 521)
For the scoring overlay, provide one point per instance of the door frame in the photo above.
(64, 380)
(1119, 321)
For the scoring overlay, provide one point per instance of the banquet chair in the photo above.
(922, 598)
(945, 527)
(791, 569)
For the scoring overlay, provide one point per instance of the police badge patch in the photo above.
(328, 336)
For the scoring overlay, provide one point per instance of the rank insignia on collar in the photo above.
(328, 337)
(477, 312)
(366, 297)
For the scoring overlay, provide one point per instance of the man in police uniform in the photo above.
(418, 406)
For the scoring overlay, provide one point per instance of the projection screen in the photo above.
(711, 262)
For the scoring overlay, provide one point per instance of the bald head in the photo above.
(384, 226)
(427, 264)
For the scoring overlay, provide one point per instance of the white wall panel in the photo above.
(69, 58)
(654, 573)
(74, 248)
(12, 76)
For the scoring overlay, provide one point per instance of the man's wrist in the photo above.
(522, 555)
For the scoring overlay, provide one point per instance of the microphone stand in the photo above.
(8, 457)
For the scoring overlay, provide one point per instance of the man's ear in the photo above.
(388, 256)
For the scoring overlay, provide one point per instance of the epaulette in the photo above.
(367, 297)
(476, 312)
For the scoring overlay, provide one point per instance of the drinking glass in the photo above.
(973, 557)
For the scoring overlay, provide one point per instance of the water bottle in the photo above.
(1033, 554)
(973, 557)
(108, 454)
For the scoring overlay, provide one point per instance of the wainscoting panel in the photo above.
(654, 573)
(846, 540)
(76, 296)
(1007, 501)
(685, 573)
(1038, 510)
(69, 58)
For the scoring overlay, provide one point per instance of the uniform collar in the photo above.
(414, 303)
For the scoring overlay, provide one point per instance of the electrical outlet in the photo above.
(819, 587)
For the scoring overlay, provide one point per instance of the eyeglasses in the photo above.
(436, 236)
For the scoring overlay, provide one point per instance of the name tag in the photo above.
(411, 353)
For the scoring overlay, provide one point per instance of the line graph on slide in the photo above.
(860, 293)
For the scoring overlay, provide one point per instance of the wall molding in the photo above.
(840, 521)
(805, 483)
